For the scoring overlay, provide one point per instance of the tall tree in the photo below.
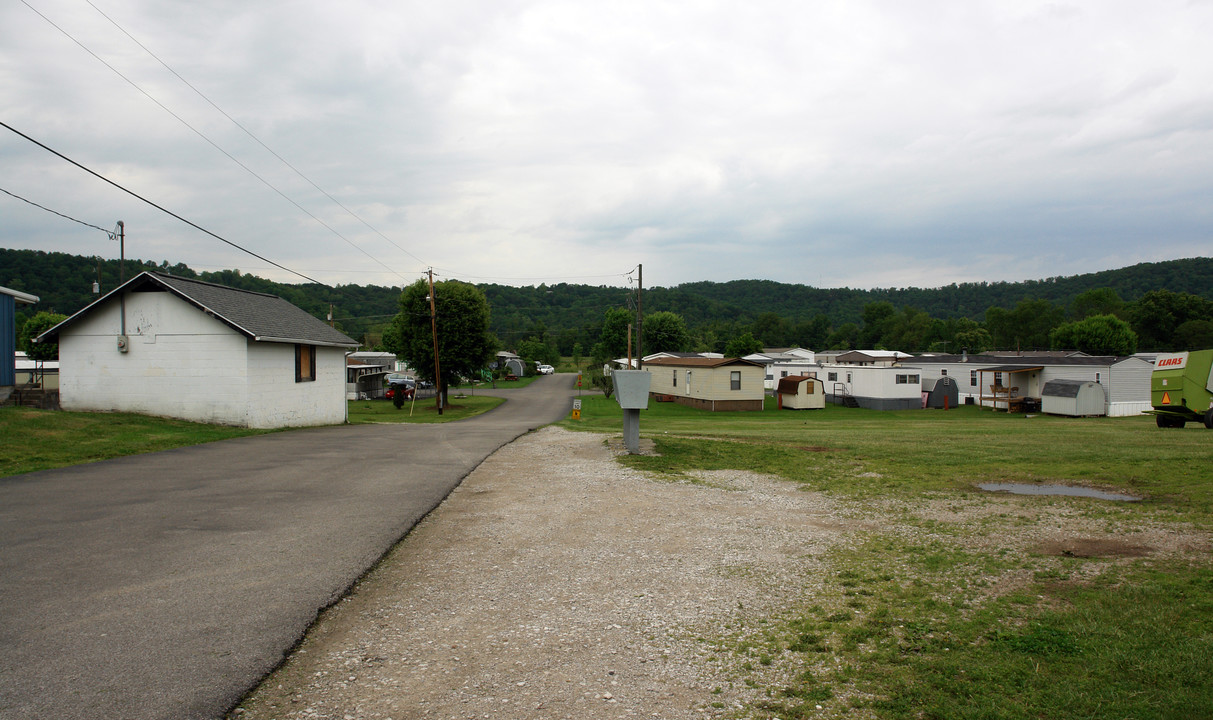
(1097, 301)
(745, 344)
(465, 344)
(876, 317)
(613, 338)
(665, 331)
(1157, 316)
(1027, 327)
(1096, 335)
(34, 327)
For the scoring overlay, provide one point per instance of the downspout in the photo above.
(344, 400)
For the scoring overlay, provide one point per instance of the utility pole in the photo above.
(434, 330)
(640, 317)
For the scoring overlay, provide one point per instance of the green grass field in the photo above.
(423, 411)
(40, 440)
(969, 616)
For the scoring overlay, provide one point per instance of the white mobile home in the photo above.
(876, 387)
(183, 348)
(1017, 382)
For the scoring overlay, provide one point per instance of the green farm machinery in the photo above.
(1181, 389)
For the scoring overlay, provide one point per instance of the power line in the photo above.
(158, 207)
(54, 212)
(251, 135)
(202, 135)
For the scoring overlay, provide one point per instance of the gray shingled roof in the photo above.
(260, 316)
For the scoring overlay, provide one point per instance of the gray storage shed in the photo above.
(1077, 398)
(944, 394)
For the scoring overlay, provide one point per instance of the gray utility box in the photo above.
(632, 388)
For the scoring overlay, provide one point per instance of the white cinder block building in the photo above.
(183, 348)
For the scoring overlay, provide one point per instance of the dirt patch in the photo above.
(816, 448)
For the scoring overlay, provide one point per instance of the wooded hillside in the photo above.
(775, 313)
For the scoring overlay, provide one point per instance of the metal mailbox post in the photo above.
(632, 394)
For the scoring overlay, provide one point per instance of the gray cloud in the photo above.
(842, 143)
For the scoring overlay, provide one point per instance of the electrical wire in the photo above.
(251, 135)
(265, 182)
(158, 207)
(55, 212)
(212, 143)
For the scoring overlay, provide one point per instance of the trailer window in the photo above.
(735, 380)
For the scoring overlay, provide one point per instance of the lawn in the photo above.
(39, 439)
(423, 411)
(946, 602)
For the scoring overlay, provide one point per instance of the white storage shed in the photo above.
(1077, 398)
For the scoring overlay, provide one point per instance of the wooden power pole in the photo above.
(434, 330)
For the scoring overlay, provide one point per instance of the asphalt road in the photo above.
(165, 586)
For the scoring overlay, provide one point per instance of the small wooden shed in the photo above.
(1077, 398)
(801, 392)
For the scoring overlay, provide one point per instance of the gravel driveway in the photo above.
(555, 583)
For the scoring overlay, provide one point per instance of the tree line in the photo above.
(1146, 307)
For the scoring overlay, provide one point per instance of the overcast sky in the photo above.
(830, 143)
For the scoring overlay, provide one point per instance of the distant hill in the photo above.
(571, 313)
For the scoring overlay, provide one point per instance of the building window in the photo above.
(943, 373)
(832, 376)
(848, 378)
(735, 380)
(675, 378)
(972, 378)
(907, 379)
(784, 373)
(305, 363)
(1096, 377)
(998, 379)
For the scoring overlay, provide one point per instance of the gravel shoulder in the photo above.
(556, 583)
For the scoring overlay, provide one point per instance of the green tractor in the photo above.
(1181, 389)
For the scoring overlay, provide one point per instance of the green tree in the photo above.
(613, 339)
(1157, 316)
(665, 331)
(34, 327)
(1026, 327)
(975, 340)
(844, 337)
(1096, 335)
(535, 349)
(1194, 335)
(812, 333)
(771, 330)
(908, 330)
(876, 317)
(465, 344)
(741, 346)
(1097, 301)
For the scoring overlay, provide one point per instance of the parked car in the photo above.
(546, 369)
(400, 383)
